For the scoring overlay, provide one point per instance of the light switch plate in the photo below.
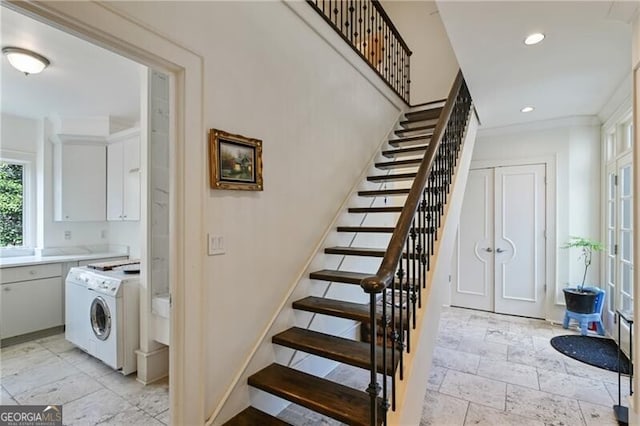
(215, 244)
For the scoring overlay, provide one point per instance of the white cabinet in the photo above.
(123, 175)
(31, 299)
(79, 179)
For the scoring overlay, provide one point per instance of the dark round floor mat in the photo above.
(596, 351)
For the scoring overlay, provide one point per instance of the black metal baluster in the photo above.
(394, 342)
(407, 298)
(401, 320)
(413, 267)
(374, 387)
(385, 329)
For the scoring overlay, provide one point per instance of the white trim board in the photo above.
(106, 27)
(553, 305)
(554, 123)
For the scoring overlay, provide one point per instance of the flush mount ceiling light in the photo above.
(25, 60)
(527, 109)
(534, 38)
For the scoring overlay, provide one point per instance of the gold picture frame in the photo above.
(235, 161)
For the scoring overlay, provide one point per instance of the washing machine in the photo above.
(107, 320)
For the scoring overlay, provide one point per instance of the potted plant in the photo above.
(580, 299)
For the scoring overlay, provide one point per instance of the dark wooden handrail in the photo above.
(383, 278)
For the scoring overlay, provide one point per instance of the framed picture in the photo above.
(235, 162)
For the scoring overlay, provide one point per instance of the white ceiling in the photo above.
(585, 56)
(82, 80)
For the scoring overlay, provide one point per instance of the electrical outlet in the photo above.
(215, 245)
(67, 235)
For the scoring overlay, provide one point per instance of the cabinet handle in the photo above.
(488, 250)
(6, 288)
(499, 250)
(32, 272)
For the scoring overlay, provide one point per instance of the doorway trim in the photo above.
(554, 301)
(105, 26)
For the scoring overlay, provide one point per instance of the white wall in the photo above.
(575, 144)
(634, 415)
(433, 63)
(19, 133)
(268, 75)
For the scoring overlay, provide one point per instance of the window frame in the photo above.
(27, 160)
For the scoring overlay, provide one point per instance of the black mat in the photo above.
(597, 351)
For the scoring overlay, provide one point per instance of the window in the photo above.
(11, 204)
(17, 198)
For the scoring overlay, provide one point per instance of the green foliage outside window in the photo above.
(11, 204)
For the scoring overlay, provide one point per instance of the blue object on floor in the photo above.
(584, 319)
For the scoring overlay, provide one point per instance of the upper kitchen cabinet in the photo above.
(123, 175)
(79, 178)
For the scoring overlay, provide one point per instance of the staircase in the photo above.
(423, 152)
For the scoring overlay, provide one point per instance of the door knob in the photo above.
(499, 250)
(488, 250)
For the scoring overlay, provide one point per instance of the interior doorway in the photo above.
(501, 262)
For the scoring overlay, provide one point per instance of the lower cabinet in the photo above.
(28, 306)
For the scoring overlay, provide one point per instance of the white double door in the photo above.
(501, 259)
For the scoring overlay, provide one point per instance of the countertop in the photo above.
(8, 262)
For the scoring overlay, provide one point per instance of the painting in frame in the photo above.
(235, 161)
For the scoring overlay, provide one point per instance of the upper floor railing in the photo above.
(365, 26)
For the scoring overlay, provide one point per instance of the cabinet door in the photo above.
(115, 169)
(30, 306)
(131, 179)
(81, 180)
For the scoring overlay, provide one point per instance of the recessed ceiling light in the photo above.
(25, 60)
(527, 109)
(534, 38)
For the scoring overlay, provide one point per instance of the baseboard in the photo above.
(10, 341)
(153, 366)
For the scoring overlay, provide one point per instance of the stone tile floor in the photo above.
(495, 370)
(53, 371)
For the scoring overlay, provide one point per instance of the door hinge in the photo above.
(615, 180)
(545, 288)
(615, 249)
(170, 301)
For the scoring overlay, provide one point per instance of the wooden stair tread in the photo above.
(253, 417)
(408, 140)
(332, 399)
(429, 114)
(378, 192)
(387, 209)
(336, 348)
(347, 277)
(392, 178)
(341, 309)
(412, 162)
(333, 307)
(376, 229)
(416, 149)
(401, 132)
(361, 251)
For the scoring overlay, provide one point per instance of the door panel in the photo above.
(519, 240)
(475, 276)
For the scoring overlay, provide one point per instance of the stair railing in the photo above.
(407, 260)
(367, 28)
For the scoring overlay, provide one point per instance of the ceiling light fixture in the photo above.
(25, 60)
(534, 38)
(527, 109)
